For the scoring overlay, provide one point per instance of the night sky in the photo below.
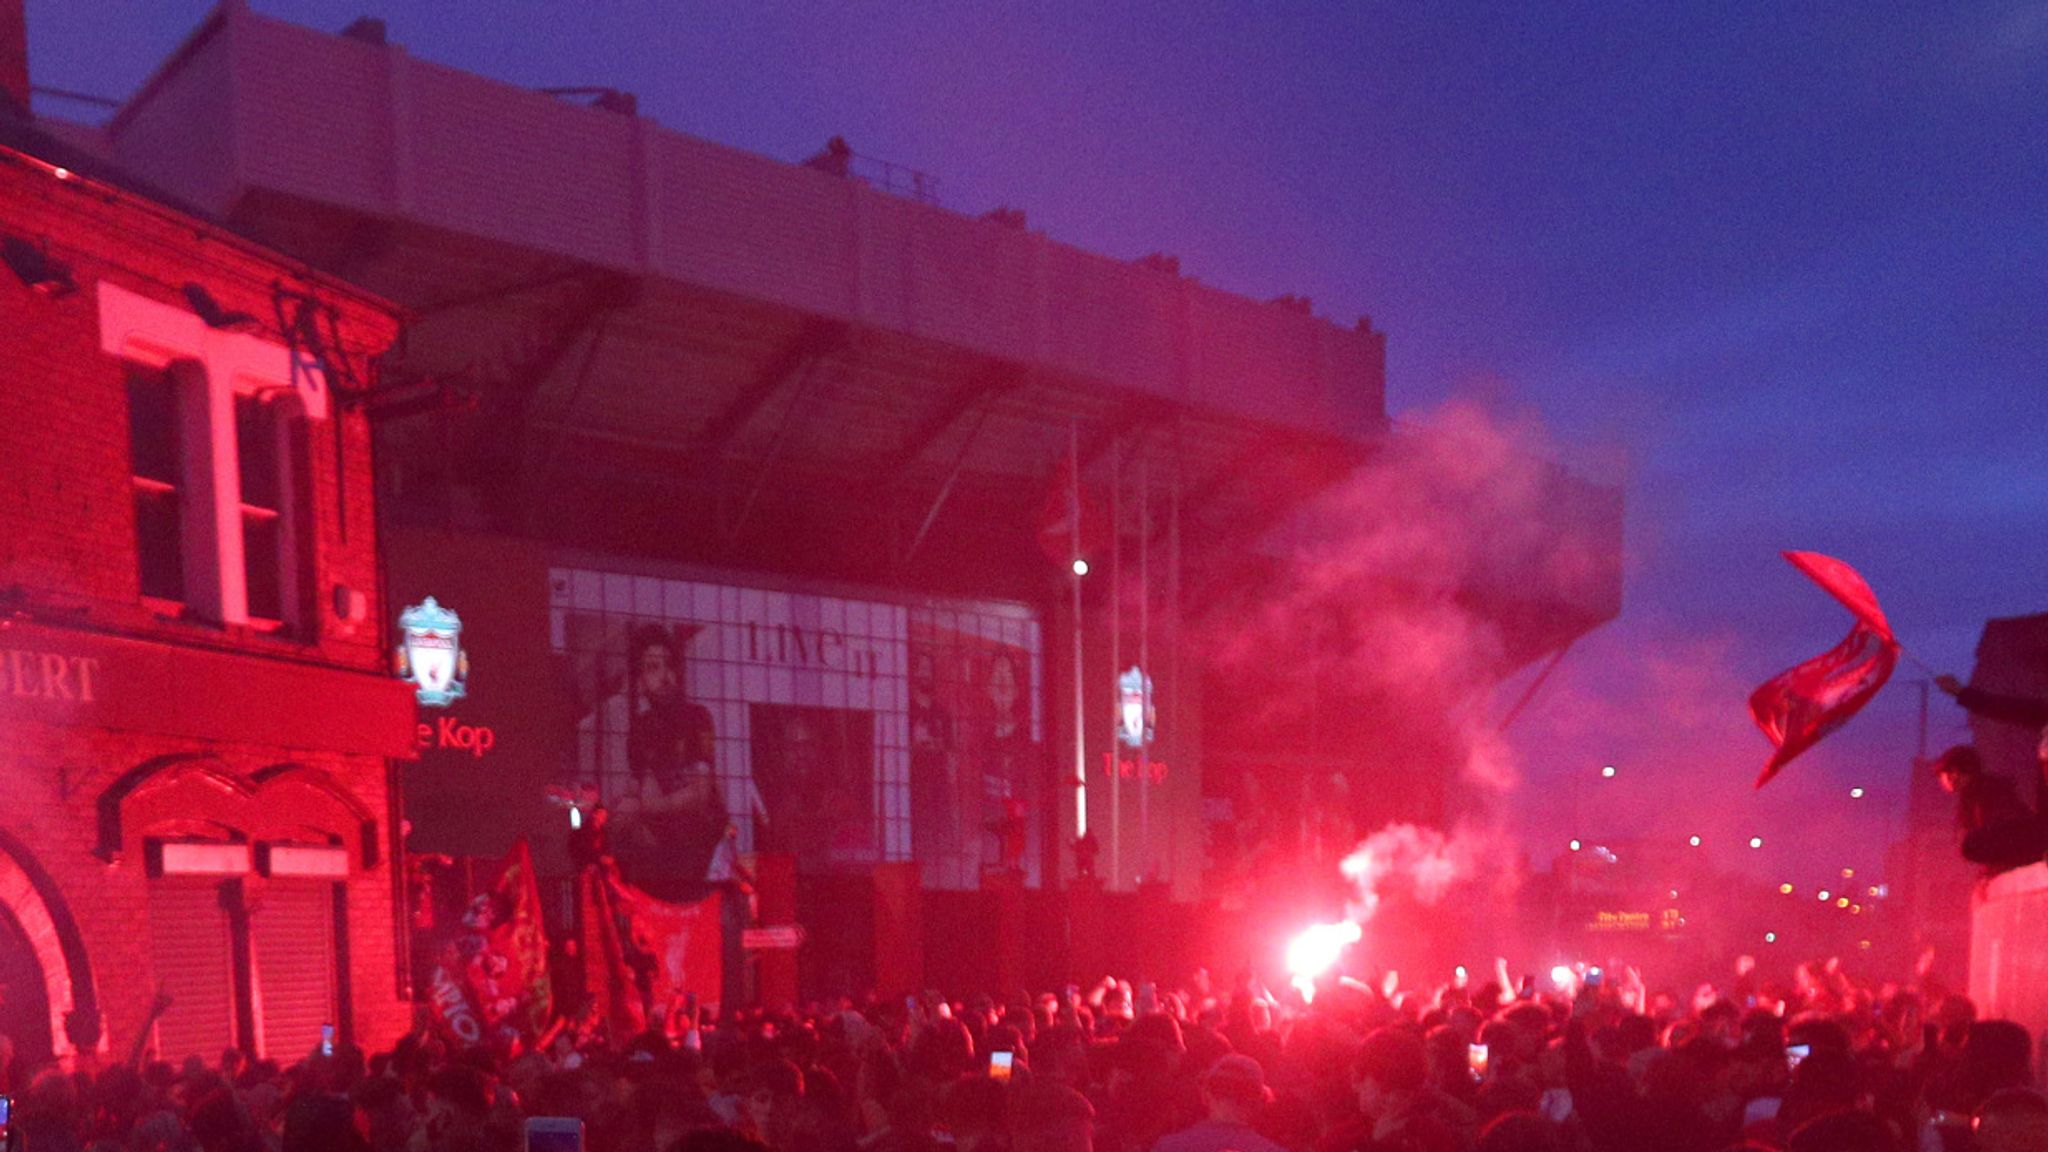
(1777, 268)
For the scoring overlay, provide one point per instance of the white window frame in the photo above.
(217, 367)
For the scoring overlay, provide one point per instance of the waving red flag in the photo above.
(1800, 705)
(1072, 525)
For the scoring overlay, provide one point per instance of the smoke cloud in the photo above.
(1392, 584)
(1422, 862)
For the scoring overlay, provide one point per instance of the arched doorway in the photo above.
(43, 964)
(24, 1004)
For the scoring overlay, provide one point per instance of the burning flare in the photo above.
(1316, 951)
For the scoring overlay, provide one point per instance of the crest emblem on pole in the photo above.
(1136, 720)
(430, 653)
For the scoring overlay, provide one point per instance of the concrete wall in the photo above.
(254, 103)
(2009, 948)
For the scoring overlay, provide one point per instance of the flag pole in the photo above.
(1080, 687)
(1116, 656)
(1147, 863)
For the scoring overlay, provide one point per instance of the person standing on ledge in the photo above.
(1996, 828)
(2028, 712)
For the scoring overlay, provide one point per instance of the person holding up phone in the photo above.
(553, 1134)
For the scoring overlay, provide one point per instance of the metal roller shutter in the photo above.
(292, 934)
(193, 950)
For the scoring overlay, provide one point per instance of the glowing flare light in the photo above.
(1316, 951)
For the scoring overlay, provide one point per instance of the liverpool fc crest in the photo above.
(430, 653)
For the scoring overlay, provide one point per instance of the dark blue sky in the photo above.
(1779, 267)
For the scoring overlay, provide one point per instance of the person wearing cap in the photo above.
(1996, 827)
(1234, 1092)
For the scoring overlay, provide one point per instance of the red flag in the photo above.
(679, 942)
(1069, 524)
(492, 979)
(1800, 705)
(644, 953)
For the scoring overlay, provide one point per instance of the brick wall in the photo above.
(67, 559)
(67, 527)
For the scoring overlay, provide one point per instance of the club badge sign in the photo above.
(431, 658)
(430, 653)
(1136, 720)
(1137, 723)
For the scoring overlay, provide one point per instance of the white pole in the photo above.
(1080, 688)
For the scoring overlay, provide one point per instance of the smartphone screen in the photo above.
(554, 1134)
(1475, 1059)
(6, 1111)
(1593, 977)
(327, 1039)
(1794, 1053)
(1000, 1064)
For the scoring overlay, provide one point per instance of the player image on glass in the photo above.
(1475, 1059)
(554, 1134)
(1000, 1065)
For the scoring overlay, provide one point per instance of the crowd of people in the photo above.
(1824, 1065)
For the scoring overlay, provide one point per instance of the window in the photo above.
(260, 431)
(221, 524)
(155, 470)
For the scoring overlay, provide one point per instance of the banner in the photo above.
(1801, 705)
(491, 978)
(643, 955)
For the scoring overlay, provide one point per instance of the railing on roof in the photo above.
(839, 159)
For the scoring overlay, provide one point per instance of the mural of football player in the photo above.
(667, 815)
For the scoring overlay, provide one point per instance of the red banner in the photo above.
(645, 955)
(1803, 704)
(492, 978)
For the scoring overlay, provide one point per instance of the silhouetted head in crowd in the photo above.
(1848, 1130)
(1390, 1068)
(1520, 1132)
(2013, 1120)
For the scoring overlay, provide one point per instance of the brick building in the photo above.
(196, 742)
